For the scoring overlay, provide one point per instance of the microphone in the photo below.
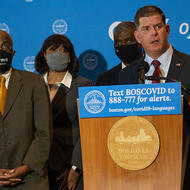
(187, 92)
(143, 68)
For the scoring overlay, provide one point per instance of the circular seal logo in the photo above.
(4, 27)
(29, 63)
(90, 61)
(112, 27)
(59, 26)
(133, 143)
(94, 101)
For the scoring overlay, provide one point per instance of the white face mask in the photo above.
(57, 61)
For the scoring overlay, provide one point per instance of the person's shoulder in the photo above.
(115, 69)
(107, 77)
(181, 54)
(27, 75)
(111, 72)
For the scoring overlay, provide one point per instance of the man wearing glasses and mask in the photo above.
(128, 51)
(24, 124)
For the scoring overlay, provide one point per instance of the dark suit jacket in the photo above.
(119, 76)
(180, 69)
(110, 77)
(66, 150)
(24, 128)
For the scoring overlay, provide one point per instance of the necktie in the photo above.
(156, 73)
(3, 92)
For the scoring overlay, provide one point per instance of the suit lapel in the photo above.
(129, 75)
(1, 117)
(15, 84)
(61, 93)
(118, 68)
(176, 66)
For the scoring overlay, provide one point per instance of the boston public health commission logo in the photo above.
(59, 26)
(94, 101)
(4, 27)
(112, 27)
(29, 63)
(133, 143)
(90, 61)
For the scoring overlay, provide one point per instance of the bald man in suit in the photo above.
(24, 125)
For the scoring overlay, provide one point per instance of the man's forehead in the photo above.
(153, 19)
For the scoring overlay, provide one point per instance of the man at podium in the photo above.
(152, 33)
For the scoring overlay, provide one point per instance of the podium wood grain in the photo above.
(102, 173)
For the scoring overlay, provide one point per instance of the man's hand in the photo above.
(71, 181)
(64, 175)
(4, 176)
(14, 176)
(19, 173)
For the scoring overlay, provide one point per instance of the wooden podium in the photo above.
(102, 173)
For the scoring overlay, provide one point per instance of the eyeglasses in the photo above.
(6, 46)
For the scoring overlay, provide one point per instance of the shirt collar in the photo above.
(7, 76)
(123, 65)
(67, 79)
(164, 59)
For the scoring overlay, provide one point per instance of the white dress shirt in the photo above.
(7, 76)
(123, 65)
(67, 79)
(164, 59)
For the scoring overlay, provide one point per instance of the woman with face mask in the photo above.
(58, 64)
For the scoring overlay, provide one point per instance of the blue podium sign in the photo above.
(130, 100)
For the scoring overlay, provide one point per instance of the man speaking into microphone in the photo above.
(152, 33)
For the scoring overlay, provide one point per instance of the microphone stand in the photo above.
(142, 69)
(141, 79)
(171, 80)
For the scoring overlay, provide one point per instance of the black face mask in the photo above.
(5, 61)
(128, 53)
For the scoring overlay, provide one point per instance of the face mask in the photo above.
(57, 61)
(128, 53)
(5, 61)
